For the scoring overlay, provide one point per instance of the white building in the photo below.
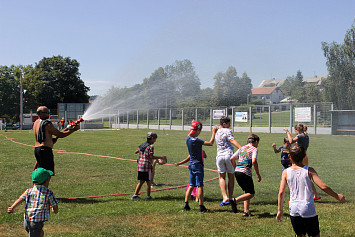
(270, 95)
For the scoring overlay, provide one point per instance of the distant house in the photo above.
(317, 80)
(270, 95)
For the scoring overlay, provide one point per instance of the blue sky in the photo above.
(119, 43)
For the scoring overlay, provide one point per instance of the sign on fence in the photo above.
(241, 117)
(303, 114)
(217, 114)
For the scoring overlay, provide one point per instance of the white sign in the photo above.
(217, 114)
(303, 114)
(241, 117)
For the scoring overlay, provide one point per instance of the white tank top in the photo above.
(301, 196)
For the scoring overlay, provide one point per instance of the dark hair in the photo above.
(286, 140)
(224, 119)
(253, 138)
(151, 135)
(297, 153)
(300, 127)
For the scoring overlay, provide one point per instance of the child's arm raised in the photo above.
(210, 143)
(290, 139)
(14, 205)
(313, 175)
(281, 196)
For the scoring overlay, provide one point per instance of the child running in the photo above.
(146, 155)
(196, 167)
(284, 149)
(225, 142)
(38, 201)
(246, 158)
(302, 139)
(298, 177)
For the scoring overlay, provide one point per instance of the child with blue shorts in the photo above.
(196, 167)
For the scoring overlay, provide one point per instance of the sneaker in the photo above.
(148, 198)
(234, 205)
(204, 209)
(135, 197)
(186, 207)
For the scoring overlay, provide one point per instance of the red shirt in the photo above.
(144, 162)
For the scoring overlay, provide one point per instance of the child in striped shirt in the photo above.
(243, 161)
(38, 201)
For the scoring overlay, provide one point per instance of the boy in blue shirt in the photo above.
(196, 167)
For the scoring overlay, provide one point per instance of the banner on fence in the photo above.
(218, 113)
(303, 114)
(241, 117)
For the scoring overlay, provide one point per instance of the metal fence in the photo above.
(261, 118)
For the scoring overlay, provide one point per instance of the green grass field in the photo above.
(79, 175)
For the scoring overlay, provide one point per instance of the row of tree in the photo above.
(57, 80)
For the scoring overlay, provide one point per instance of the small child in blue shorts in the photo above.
(196, 167)
(298, 177)
(284, 149)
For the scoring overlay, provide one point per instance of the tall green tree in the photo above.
(57, 80)
(229, 89)
(339, 87)
(10, 92)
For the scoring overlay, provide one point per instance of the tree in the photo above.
(339, 87)
(294, 87)
(229, 89)
(9, 92)
(184, 80)
(57, 80)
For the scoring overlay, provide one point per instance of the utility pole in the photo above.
(21, 102)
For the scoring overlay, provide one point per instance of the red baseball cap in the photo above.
(196, 125)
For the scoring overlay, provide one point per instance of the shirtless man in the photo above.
(44, 130)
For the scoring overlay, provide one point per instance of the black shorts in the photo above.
(301, 225)
(245, 182)
(44, 157)
(144, 176)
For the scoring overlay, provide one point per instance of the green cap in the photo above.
(40, 175)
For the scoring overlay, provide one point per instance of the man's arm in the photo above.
(61, 134)
(281, 196)
(55, 209)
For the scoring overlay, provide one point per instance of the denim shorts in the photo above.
(196, 175)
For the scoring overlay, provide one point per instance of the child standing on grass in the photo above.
(302, 139)
(194, 192)
(38, 200)
(284, 149)
(146, 156)
(225, 142)
(196, 168)
(243, 160)
(298, 177)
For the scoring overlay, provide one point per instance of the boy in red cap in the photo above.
(196, 171)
